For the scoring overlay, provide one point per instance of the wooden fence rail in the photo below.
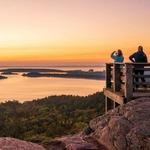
(125, 81)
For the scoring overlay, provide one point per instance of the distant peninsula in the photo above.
(91, 74)
(8, 73)
(69, 74)
(3, 77)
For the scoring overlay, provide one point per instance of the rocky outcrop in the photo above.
(14, 144)
(124, 128)
(76, 142)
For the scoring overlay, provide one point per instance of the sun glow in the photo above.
(70, 32)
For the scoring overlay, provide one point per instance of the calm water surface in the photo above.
(20, 88)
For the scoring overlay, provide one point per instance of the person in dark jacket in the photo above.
(139, 57)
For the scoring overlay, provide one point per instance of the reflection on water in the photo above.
(17, 87)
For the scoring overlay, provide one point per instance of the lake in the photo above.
(20, 88)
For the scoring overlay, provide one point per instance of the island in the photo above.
(3, 77)
(8, 73)
(80, 74)
(69, 74)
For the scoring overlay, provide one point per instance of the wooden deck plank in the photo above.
(145, 69)
(141, 76)
(115, 96)
(141, 94)
(142, 83)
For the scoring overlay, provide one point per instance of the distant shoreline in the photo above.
(78, 74)
(67, 76)
(3, 77)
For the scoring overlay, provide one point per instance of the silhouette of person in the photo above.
(139, 57)
(117, 56)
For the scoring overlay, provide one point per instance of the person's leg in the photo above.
(142, 78)
(142, 74)
(136, 78)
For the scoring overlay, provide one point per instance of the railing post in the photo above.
(108, 75)
(128, 81)
(108, 104)
(116, 77)
(108, 101)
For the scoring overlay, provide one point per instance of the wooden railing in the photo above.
(125, 81)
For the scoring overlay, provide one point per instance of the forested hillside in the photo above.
(43, 119)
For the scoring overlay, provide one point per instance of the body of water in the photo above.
(20, 88)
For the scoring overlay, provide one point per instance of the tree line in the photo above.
(41, 120)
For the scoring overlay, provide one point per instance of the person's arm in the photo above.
(146, 60)
(112, 55)
(132, 57)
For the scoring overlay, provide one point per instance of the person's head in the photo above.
(140, 48)
(119, 52)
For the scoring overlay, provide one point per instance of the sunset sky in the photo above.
(71, 32)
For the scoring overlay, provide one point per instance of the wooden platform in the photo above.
(122, 82)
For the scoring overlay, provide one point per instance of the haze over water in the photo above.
(20, 88)
(67, 32)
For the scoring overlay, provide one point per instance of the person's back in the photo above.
(139, 56)
(117, 56)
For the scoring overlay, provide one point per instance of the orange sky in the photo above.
(66, 32)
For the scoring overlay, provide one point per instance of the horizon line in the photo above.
(102, 64)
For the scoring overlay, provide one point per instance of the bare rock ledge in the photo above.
(15, 144)
(124, 128)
